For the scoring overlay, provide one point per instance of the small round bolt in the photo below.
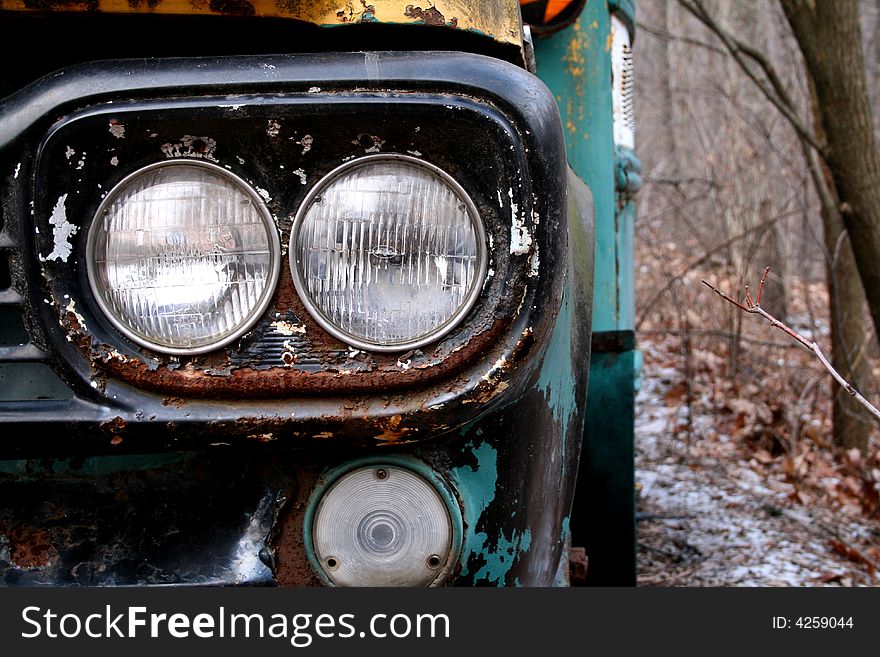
(332, 563)
(434, 562)
(381, 474)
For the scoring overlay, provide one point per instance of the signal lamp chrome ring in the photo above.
(402, 527)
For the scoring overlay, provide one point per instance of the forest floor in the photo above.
(730, 493)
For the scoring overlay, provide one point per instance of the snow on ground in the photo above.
(707, 519)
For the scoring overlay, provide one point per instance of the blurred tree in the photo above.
(849, 331)
(829, 37)
(842, 157)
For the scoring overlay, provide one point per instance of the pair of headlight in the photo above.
(387, 252)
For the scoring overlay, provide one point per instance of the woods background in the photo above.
(727, 192)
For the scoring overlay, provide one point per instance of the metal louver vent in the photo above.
(628, 88)
(623, 85)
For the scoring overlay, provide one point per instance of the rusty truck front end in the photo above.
(292, 311)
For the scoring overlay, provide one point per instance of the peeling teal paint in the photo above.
(557, 379)
(499, 560)
(638, 368)
(575, 66)
(477, 487)
(575, 63)
(526, 540)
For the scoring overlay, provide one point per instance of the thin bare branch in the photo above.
(669, 36)
(812, 345)
(761, 286)
(727, 298)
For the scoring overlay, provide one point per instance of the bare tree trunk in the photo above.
(851, 424)
(828, 35)
(666, 143)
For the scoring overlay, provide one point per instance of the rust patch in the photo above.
(523, 345)
(430, 16)
(31, 548)
(234, 7)
(73, 321)
(392, 433)
(488, 391)
(577, 566)
(396, 437)
(197, 381)
(291, 564)
(115, 426)
(365, 15)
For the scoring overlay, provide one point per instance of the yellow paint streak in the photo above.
(575, 67)
(574, 53)
(569, 111)
(498, 19)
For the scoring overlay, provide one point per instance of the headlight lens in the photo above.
(388, 253)
(382, 526)
(183, 257)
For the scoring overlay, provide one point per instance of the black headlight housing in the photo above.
(280, 124)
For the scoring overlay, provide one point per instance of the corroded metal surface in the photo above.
(313, 389)
(100, 522)
(497, 19)
(502, 428)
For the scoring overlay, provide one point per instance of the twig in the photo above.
(669, 36)
(754, 308)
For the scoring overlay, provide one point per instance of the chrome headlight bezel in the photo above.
(274, 244)
(359, 342)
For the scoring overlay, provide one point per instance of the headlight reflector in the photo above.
(382, 525)
(183, 257)
(388, 253)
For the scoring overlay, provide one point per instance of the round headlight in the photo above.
(388, 253)
(183, 257)
(383, 525)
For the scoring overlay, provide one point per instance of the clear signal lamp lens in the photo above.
(388, 252)
(382, 526)
(183, 257)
